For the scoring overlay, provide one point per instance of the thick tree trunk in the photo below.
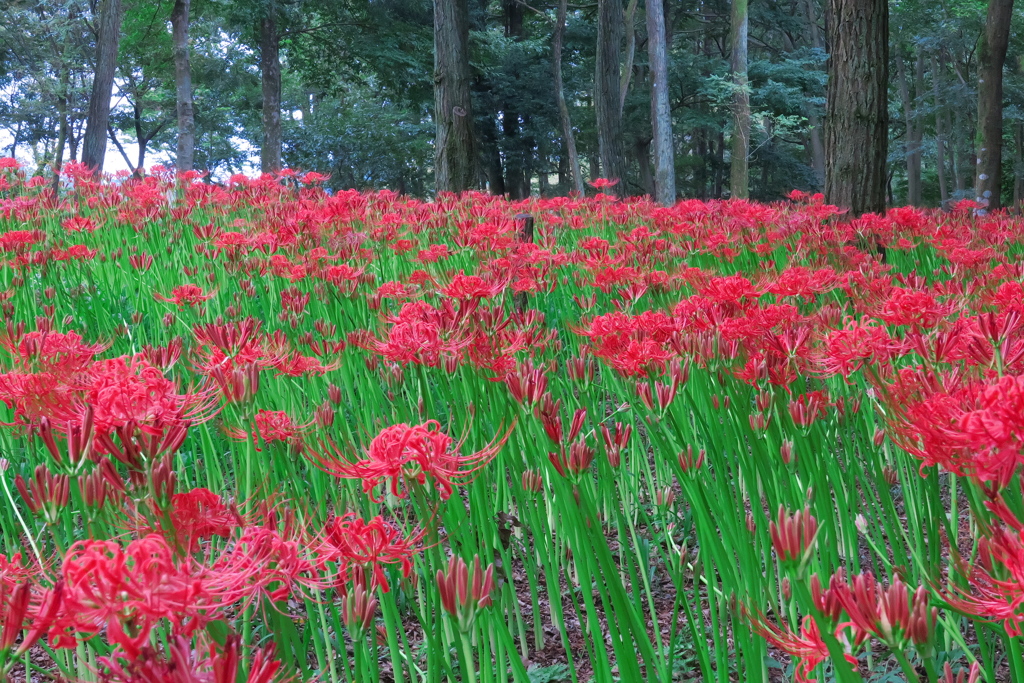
(270, 73)
(183, 84)
(661, 112)
(991, 57)
(940, 135)
(108, 39)
(563, 107)
(607, 92)
(739, 174)
(857, 120)
(454, 146)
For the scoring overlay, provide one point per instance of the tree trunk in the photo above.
(62, 130)
(1018, 166)
(817, 147)
(661, 112)
(629, 24)
(270, 73)
(454, 146)
(991, 58)
(108, 39)
(607, 92)
(642, 150)
(739, 175)
(517, 148)
(183, 84)
(563, 107)
(940, 139)
(856, 119)
(912, 152)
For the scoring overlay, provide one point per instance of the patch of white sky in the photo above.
(114, 162)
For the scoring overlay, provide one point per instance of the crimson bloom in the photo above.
(415, 452)
(186, 295)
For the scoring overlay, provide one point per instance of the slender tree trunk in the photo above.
(629, 24)
(108, 39)
(607, 91)
(991, 57)
(739, 174)
(856, 120)
(1018, 166)
(642, 150)
(940, 135)
(516, 149)
(563, 107)
(910, 147)
(183, 84)
(62, 130)
(270, 72)
(817, 146)
(661, 112)
(961, 157)
(454, 146)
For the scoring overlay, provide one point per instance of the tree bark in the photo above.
(62, 130)
(940, 135)
(184, 160)
(454, 145)
(912, 138)
(1018, 166)
(607, 92)
(108, 40)
(739, 174)
(629, 24)
(270, 74)
(661, 112)
(856, 119)
(817, 146)
(563, 107)
(991, 57)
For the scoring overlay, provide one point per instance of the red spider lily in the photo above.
(273, 426)
(576, 462)
(193, 516)
(688, 462)
(893, 614)
(357, 611)
(127, 591)
(415, 452)
(64, 354)
(601, 184)
(996, 583)
(807, 646)
(183, 664)
(186, 295)
(262, 563)
(79, 440)
(615, 443)
(793, 536)
(472, 287)
(46, 493)
(129, 390)
(22, 607)
(352, 542)
(462, 596)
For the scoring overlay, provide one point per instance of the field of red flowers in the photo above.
(260, 432)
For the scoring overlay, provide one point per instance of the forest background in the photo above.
(536, 96)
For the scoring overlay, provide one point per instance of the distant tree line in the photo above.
(874, 103)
